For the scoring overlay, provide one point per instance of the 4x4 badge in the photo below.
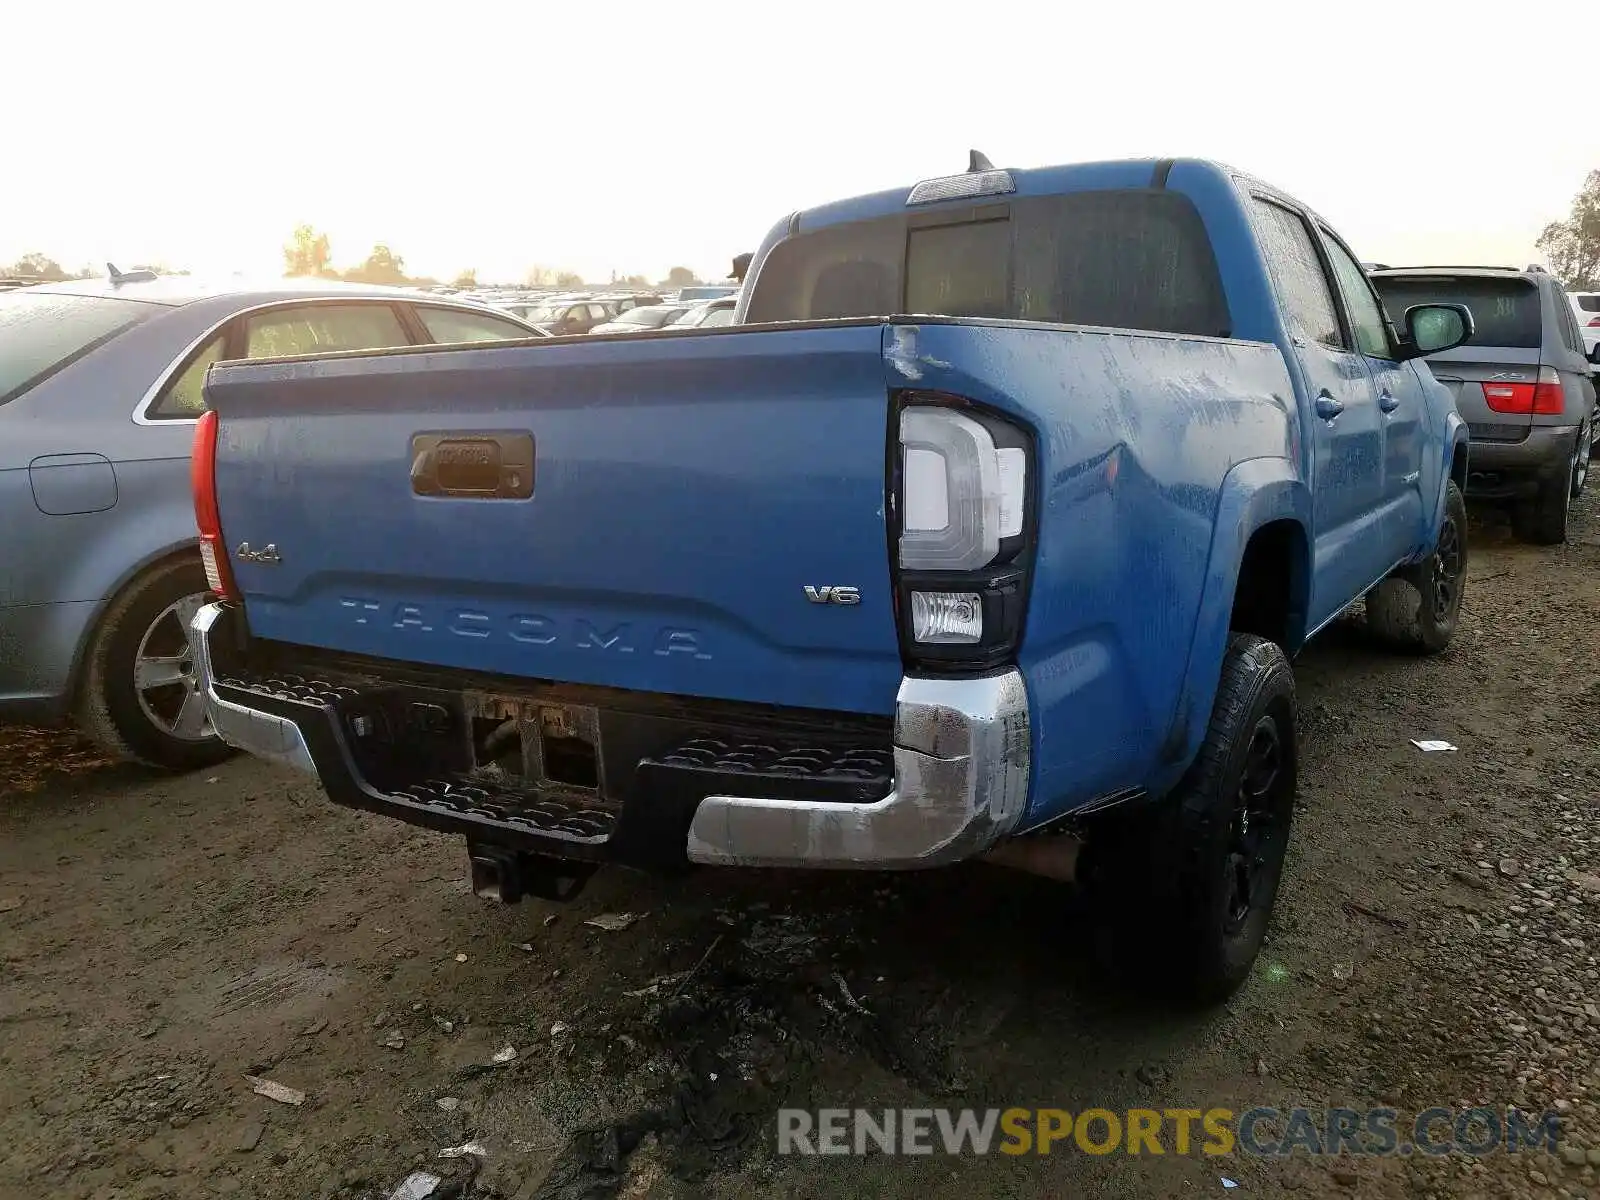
(267, 554)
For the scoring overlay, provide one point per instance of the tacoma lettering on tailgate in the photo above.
(533, 629)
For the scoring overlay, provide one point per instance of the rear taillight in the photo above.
(1594, 322)
(1542, 398)
(203, 481)
(964, 532)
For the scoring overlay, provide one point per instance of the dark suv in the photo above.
(1521, 383)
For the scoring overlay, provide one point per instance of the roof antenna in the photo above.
(977, 160)
(120, 277)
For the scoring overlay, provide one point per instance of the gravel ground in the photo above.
(161, 938)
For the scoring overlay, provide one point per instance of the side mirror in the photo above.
(1431, 328)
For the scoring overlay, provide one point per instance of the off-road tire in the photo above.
(1416, 610)
(1161, 885)
(107, 704)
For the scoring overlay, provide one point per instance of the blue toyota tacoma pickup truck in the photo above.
(987, 530)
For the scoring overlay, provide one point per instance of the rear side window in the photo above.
(450, 325)
(185, 396)
(42, 332)
(323, 329)
(1569, 328)
(1504, 311)
(1304, 289)
(1132, 259)
(1589, 302)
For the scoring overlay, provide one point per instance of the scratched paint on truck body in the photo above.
(1135, 434)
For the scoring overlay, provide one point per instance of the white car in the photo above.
(707, 314)
(1586, 307)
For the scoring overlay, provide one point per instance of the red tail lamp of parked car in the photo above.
(203, 480)
(1543, 398)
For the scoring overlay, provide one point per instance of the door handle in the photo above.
(1327, 407)
(1388, 401)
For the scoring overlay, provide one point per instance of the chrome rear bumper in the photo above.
(961, 757)
(265, 735)
(961, 775)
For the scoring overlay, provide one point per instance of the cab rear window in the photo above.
(1505, 312)
(1128, 259)
(42, 332)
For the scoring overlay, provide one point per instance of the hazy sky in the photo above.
(634, 136)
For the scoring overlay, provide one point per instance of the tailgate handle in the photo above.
(483, 466)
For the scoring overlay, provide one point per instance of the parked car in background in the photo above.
(706, 291)
(1586, 309)
(100, 385)
(641, 320)
(569, 317)
(708, 314)
(1522, 382)
(621, 303)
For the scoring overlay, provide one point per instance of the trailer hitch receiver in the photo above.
(506, 876)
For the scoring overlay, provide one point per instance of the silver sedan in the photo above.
(100, 386)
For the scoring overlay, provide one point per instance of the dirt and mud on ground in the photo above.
(161, 939)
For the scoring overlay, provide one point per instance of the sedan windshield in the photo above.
(42, 332)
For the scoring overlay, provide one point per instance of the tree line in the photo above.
(47, 270)
(309, 254)
(1571, 247)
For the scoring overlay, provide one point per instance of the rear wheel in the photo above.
(1580, 460)
(1417, 608)
(140, 698)
(1543, 520)
(1185, 890)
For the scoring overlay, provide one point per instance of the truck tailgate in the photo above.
(665, 503)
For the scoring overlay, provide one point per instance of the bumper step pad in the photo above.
(667, 786)
(515, 809)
